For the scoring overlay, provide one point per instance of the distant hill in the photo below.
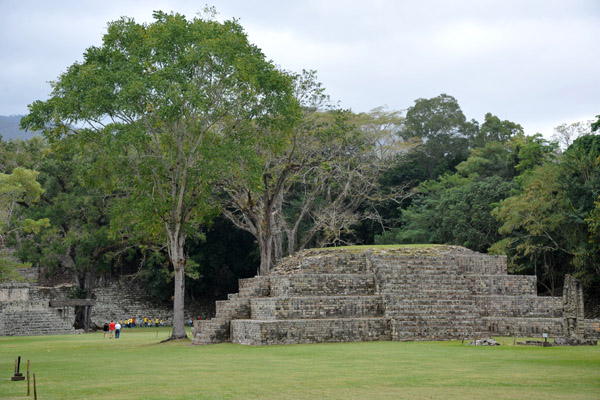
(9, 128)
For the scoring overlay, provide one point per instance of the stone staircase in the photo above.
(237, 306)
(426, 298)
(328, 298)
(24, 319)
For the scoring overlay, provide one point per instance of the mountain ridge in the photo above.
(9, 128)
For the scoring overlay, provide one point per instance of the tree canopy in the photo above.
(166, 109)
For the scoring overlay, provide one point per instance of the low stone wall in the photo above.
(323, 284)
(316, 307)
(519, 306)
(518, 326)
(14, 292)
(434, 327)
(256, 332)
(344, 263)
(506, 285)
(592, 328)
(480, 264)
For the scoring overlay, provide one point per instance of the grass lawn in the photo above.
(137, 367)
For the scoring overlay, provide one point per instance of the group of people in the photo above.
(142, 322)
(114, 328)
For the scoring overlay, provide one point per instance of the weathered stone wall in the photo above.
(592, 328)
(320, 307)
(506, 285)
(10, 292)
(518, 326)
(25, 311)
(519, 306)
(323, 284)
(25, 308)
(310, 331)
(121, 300)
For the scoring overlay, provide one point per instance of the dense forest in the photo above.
(261, 164)
(424, 176)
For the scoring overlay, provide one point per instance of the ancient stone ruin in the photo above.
(405, 293)
(33, 309)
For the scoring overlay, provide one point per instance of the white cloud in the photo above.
(533, 62)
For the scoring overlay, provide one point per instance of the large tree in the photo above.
(443, 131)
(166, 108)
(308, 187)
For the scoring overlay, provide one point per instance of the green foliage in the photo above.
(596, 125)
(495, 130)
(19, 189)
(453, 210)
(77, 239)
(550, 220)
(580, 181)
(9, 267)
(444, 132)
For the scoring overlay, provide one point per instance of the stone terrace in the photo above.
(365, 294)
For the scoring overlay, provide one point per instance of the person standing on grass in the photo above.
(117, 330)
(105, 329)
(111, 328)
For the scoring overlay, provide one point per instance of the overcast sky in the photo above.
(534, 62)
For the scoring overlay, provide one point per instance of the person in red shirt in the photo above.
(111, 328)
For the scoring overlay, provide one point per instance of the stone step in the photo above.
(316, 307)
(262, 332)
(326, 264)
(519, 306)
(232, 309)
(508, 285)
(322, 284)
(401, 295)
(533, 326)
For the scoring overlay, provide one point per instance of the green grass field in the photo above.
(136, 366)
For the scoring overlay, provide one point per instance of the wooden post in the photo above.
(34, 388)
(28, 383)
(15, 366)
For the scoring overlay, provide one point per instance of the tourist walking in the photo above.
(111, 328)
(105, 329)
(117, 330)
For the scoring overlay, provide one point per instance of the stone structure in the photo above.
(573, 317)
(30, 309)
(25, 310)
(405, 293)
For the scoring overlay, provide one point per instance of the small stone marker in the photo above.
(18, 376)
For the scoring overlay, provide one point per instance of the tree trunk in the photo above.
(178, 259)
(265, 245)
(178, 302)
